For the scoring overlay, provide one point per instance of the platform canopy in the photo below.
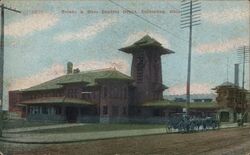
(173, 104)
(56, 100)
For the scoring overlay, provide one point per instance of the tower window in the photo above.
(105, 92)
(139, 68)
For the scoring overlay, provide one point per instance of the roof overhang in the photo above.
(57, 101)
(173, 104)
(132, 49)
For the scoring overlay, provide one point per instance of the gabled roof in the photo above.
(146, 41)
(88, 77)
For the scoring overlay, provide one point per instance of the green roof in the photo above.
(146, 41)
(168, 103)
(229, 85)
(88, 77)
(57, 100)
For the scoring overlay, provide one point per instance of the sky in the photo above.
(47, 34)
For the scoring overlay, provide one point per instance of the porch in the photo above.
(60, 110)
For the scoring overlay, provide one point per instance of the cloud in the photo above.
(30, 24)
(54, 71)
(86, 32)
(225, 17)
(137, 36)
(196, 88)
(57, 70)
(221, 46)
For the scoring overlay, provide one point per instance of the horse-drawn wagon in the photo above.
(182, 122)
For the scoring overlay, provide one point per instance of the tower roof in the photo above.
(146, 42)
(228, 84)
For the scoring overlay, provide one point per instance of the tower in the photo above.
(146, 68)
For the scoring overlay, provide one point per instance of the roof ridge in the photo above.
(101, 69)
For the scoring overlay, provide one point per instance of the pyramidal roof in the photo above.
(146, 42)
(88, 77)
(226, 84)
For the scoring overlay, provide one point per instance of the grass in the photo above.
(98, 127)
(11, 124)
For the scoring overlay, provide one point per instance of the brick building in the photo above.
(105, 95)
(232, 101)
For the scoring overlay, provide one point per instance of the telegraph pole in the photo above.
(190, 16)
(243, 55)
(2, 61)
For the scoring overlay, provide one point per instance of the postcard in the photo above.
(124, 77)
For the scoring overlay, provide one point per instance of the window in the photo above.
(105, 91)
(120, 93)
(83, 111)
(124, 111)
(157, 112)
(31, 110)
(115, 110)
(44, 110)
(71, 93)
(34, 110)
(125, 92)
(138, 111)
(139, 68)
(105, 110)
(115, 92)
(58, 110)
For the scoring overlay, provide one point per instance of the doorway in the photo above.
(71, 114)
(224, 116)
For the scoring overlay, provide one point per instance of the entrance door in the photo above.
(71, 114)
(224, 116)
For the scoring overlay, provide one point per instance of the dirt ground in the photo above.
(224, 141)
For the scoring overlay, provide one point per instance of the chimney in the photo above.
(69, 68)
(236, 74)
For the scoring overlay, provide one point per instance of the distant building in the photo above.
(201, 98)
(15, 97)
(178, 99)
(232, 101)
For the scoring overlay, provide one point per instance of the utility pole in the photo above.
(190, 16)
(243, 56)
(2, 62)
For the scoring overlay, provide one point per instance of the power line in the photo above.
(148, 21)
(202, 28)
